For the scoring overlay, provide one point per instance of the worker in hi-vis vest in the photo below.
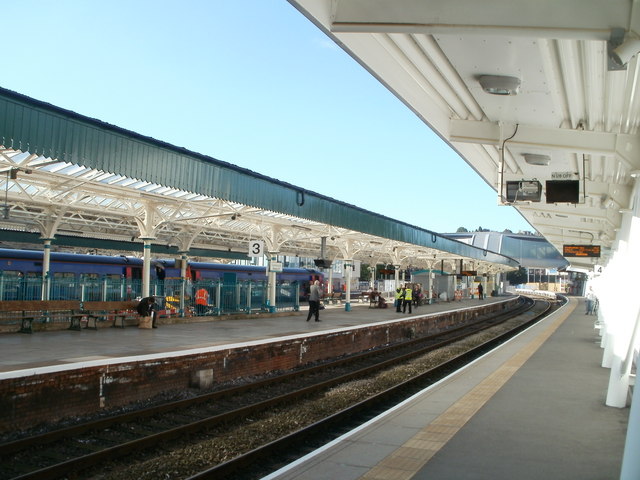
(408, 298)
(202, 300)
(399, 299)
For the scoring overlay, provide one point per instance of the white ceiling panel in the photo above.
(574, 104)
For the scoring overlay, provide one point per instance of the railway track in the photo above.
(81, 448)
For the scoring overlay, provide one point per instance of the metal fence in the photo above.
(174, 296)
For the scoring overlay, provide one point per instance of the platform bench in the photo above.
(28, 311)
(335, 297)
(119, 310)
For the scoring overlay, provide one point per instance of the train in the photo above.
(122, 275)
(29, 263)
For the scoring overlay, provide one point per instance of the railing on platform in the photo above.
(538, 293)
(175, 296)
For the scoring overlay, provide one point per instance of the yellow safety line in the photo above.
(407, 460)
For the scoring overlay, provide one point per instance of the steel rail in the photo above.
(84, 462)
(286, 443)
(49, 437)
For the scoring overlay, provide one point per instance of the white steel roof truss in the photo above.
(88, 203)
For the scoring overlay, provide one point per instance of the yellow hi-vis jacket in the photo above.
(408, 294)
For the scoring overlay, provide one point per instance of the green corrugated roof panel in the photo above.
(117, 245)
(43, 129)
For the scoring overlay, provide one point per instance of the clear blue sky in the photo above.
(250, 82)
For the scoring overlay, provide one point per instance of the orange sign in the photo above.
(581, 250)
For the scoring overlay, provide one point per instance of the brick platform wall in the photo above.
(29, 401)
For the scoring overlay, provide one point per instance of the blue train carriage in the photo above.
(102, 277)
(233, 287)
(72, 276)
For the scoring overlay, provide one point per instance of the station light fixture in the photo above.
(524, 191)
(536, 159)
(499, 84)
(606, 201)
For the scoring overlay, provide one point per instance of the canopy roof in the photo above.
(77, 177)
(528, 93)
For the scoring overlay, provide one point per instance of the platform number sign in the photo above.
(256, 248)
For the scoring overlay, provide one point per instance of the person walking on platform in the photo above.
(160, 275)
(591, 301)
(417, 293)
(399, 298)
(480, 290)
(315, 295)
(408, 298)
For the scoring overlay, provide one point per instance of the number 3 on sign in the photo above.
(256, 248)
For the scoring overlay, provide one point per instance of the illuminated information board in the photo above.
(581, 250)
(469, 273)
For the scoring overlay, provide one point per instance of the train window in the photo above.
(66, 275)
(11, 273)
(90, 276)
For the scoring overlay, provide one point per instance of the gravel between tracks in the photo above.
(182, 461)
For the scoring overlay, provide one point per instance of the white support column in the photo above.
(330, 282)
(348, 269)
(396, 275)
(218, 308)
(606, 343)
(271, 283)
(272, 292)
(147, 226)
(146, 267)
(46, 267)
(183, 281)
(620, 376)
(621, 312)
(47, 235)
(630, 459)
(430, 292)
(608, 311)
(248, 296)
(238, 306)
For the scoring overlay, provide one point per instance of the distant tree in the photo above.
(506, 230)
(518, 277)
(365, 273)
(461, 230)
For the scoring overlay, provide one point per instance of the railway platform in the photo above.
(533, 408)
(31, 354)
